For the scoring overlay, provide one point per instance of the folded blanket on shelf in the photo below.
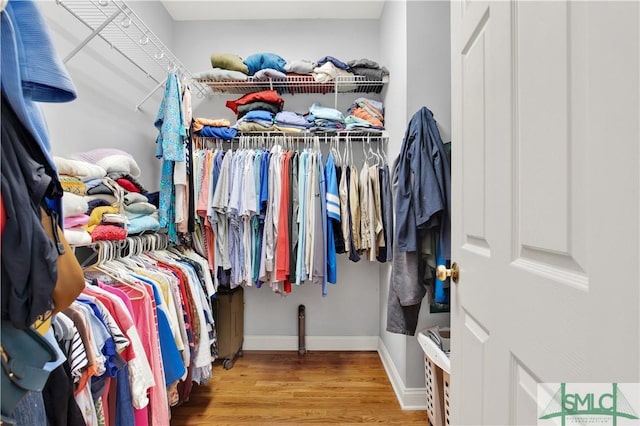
(364, 62)
(258, 105)
(95, 155)
(75, 221)
(108, 233)
(300, 66)
(77, 236)
(269, 73)
(78, 168)
(112, 160)
(122, 175)
(376, 107)
(73, 205)
(73, 185)
(134, 197)
(259, 115)
(127, 185)
(328, 72)
(228, 61)
(98, 200)
(370, 74)
(367, 116)
(143, 223)
(120, 163)
(263, 123)
(260, 61)
(221, 74)
(92, 182)
(352, 122)
(270, 96)
(140, 208)
(252, 126)
(336, 62)
(290, 118)
(321, 112)
(95, 218)
(199, 123)
(100, 189)
(224, 133)
(113, 219)
(289, 128)
(324, 125)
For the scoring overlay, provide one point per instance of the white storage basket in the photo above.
(437, 374)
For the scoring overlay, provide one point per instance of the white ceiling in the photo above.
(206, 10)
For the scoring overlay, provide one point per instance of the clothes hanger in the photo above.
(336, 141)
(373, 154)
(117, 272)
(385, 149)
(364, 154)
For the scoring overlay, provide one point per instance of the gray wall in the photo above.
(393, 38)
(420, 57)
(429, 83)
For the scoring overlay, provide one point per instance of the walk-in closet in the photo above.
(354, 212)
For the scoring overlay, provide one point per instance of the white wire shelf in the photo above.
(125, 32)
(297, 84)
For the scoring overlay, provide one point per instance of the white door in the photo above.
(545, 201)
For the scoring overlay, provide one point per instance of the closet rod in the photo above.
(113, 249)
(306, 136)
(155, 89)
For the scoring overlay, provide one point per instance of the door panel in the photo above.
(473, 171)
(524, 385)
(545, 201)
(549, 163)
(473, 358)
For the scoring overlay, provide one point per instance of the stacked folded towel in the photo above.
(142, 215)
(289, 120)
(75, 209)
(365, 113)
(325, 118)
(100, 185)
(219, 128)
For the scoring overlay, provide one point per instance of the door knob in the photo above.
(443, 273)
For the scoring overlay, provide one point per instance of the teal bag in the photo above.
(23, 352)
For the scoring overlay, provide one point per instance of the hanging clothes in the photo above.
(170, 147)
(275, 214)
(422, 184)
(141, 331)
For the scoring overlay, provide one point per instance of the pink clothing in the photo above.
(74, 221)
(147, 325)
(141, 415)
(203, 201)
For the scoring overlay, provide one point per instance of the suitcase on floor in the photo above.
(229, 319)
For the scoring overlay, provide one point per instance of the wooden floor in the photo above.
(282, 387)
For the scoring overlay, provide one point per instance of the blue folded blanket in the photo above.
(142, 223)
(224, 133)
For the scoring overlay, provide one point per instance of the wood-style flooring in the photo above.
(318, 388)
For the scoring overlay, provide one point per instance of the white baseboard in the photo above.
(312, 343)
(409, 398)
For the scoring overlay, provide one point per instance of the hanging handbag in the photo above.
(70, 281)
(23, 353)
